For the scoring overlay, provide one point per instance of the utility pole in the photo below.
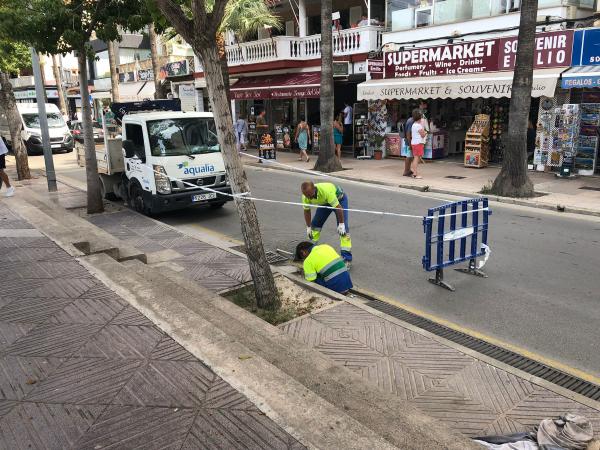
(39, 94)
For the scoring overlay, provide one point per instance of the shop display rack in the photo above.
(477, 142)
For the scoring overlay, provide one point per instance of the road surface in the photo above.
(543, 290)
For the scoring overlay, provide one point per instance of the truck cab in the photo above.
(168, 157)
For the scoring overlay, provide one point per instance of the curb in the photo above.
(507, 200)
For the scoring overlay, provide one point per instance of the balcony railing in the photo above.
(345, 42)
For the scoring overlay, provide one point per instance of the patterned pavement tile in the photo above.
(131, 316)
(5, 407)
(27, 242)
(19, 375)
(10, 332)
(63, 287)
(176, 384)
(85, 381)
(187, 246)
(231, 429)
(101, 292)
(222, 396)
(44, 269)
(127, 427)
(169, 350)
(45, 426)
(16, 254)
(87, 310)
(121, 342)
(33, 310)
(16, 287)
(53, 340)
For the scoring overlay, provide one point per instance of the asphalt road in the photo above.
(543, 290)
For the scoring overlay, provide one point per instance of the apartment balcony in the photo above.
(348, 42)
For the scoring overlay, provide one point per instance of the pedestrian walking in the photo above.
(303, 138)
(338, 135)
(348, 112)
(407, 139)
(335, 199)
(241, 131)
(322, 265)
(418, 140)
(10, 190)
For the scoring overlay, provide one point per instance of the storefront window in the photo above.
(408, 14)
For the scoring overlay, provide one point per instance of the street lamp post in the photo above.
(41, 104)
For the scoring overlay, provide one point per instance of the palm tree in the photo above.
(327, 161)
(512, 181)
(114, 74)
(59, 86)
(158, 90)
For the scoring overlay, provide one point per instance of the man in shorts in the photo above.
(10, 191)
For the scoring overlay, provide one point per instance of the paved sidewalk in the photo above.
(464, 181)
(81, 369)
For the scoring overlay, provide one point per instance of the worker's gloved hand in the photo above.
(309, 233)
(341, 229)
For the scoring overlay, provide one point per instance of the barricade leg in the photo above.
(472, 269)
(439, 280)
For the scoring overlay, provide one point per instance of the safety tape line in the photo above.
(246, 196)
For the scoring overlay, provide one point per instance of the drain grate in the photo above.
(590, 188)
(515, 360)
(455, 177)
(272, 257)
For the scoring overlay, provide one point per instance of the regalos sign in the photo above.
(552, 49)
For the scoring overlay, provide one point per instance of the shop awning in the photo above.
(293, 85)
(485, 85)
(581, 77)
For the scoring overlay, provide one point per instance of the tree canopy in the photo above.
(14, 56)
(60, 26)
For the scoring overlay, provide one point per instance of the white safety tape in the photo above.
(246, 196)
(487, 252)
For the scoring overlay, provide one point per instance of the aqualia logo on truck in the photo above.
(195, 170)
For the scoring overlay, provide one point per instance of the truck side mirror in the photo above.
(129, 148)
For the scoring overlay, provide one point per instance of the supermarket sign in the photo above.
(586, 47)
(553, 49)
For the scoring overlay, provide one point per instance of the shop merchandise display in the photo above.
(360, 129)
(377, 124)
(252, 136)
(282, 137)
(546, 138)
(266, 149)
(563, 155)
(499, 125)
(477, 142)
(316, 135)
(586, 152)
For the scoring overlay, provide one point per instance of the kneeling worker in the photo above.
(324, 266)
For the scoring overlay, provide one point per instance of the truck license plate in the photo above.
(55, 145)
(202, 197)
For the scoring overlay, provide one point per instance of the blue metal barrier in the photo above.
(453, 225)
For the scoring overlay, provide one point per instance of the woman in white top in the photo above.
(417, 142)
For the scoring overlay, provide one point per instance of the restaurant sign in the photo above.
(277, 93)
(553, 49)
(174, 69)
(375, 67)
(145, 75)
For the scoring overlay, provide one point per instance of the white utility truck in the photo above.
(163, 160)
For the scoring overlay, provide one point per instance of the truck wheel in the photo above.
(136, 199)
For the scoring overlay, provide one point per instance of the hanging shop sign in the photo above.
(127, 77)
(145, 75)
(30, 93)
(376, 68)
(553, 49)
(340, 69)
(580, 82)
(586, 47)
(175, 69)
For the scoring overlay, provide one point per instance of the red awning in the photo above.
(295, 85)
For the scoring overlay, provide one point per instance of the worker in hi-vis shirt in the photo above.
(335, 199)
(324, 266)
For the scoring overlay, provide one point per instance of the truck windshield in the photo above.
(32, 120)
(185, 136)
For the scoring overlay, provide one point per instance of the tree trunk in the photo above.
(43, 72)
(114, 74)
(266, 292)
(59, 87)
(8, 104)
(158, 91)
(513, 181)
(224, 67)
(327, 161)
(94, 198)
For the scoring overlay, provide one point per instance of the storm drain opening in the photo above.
(590, 188)
(455, 177)
(532, 367)
(273, 258)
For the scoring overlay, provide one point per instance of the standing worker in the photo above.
(333, 198)
(324, 266)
